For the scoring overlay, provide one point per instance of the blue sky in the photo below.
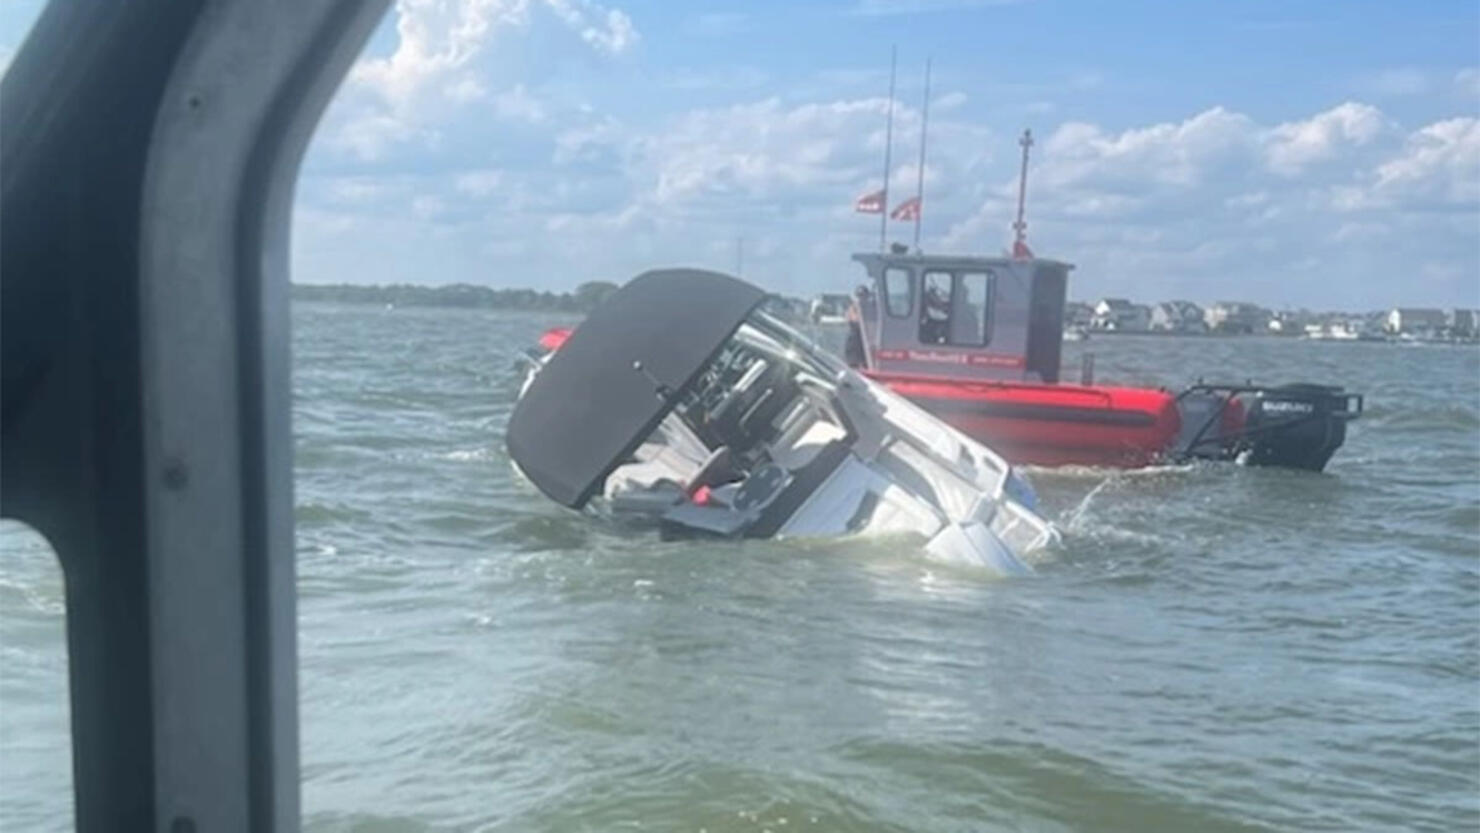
(1317, 154)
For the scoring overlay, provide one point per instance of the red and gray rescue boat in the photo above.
(977, 341)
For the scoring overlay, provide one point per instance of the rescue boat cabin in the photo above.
(962, 317)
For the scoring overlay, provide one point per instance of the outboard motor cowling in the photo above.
(1297, 426)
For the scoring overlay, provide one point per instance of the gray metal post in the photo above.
(888, 145)
(148, 152)
(920, 174)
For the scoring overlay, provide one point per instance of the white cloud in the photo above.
(1294, 145)
(1215, 204)
(427, 207)
(792, 168)
(438, 68)
(1232, 203)
(617, 36)
(762, 149)
(1179, 155)
(359, 189)
(437, 42)
(465, 89)
(478, 183)
(602, 139)
(1439, 166)
(516, 103)
(369, 135)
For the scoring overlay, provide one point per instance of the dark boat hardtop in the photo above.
(619, 374)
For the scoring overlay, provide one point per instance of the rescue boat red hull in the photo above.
(1052, 425)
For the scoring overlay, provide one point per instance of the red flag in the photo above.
(870, 203)
(907, 210)
(1020, 250)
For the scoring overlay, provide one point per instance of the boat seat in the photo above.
(718, 468)
(803, 436)
(655, 467)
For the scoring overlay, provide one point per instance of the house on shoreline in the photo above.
(1078, 315)
(1464, 323)
(1178, 317)
(1120, 315)
(1416, 321)
(1236, 317)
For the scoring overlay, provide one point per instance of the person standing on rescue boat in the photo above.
(853, 352)
(935, 313)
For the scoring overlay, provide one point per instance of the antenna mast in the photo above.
(1020, 226)
(888, 144)
(920, 179)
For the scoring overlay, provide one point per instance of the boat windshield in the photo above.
(766, 379)
(791, 346)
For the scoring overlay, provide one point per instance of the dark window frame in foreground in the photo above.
(148, 158)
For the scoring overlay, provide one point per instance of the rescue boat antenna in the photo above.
(920, 174)
(888, 144)
(1020, 226)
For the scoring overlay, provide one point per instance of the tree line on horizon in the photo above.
(583, 298)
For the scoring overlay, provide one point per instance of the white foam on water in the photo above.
(468, 455)
(1097, 472)
(1074, 519)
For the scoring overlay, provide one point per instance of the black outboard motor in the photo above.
(1296, 426)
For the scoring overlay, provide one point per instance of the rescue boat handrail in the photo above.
(983, 385)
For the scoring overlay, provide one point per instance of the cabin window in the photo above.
(897, 295)
(970, 309)
(955, 309)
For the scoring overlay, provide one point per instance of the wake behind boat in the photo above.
(728, 423)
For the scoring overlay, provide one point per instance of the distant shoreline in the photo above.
(588, 296)
(1091, 335)
(584, 298)
(1292, 336)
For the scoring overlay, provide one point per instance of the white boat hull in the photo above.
(898, 469)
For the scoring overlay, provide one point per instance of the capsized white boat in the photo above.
(680, 402)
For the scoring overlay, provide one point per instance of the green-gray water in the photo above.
(1213, 648)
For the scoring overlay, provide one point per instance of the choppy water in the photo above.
(1214, 648)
